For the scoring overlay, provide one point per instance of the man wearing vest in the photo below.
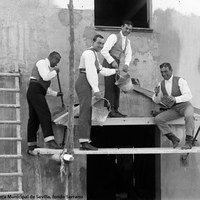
(176, 91)
(39, 113)
(116, 48)
(86, 85)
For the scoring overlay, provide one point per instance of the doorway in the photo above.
(117, 177)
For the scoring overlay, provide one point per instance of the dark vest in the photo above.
(175, 87)
(35, 74)
(116, 51)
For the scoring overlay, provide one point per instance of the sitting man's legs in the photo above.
(161, 121)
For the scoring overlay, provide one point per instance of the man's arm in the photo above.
(185, 91)
(44, 71)
(91, 71)
(111, 40)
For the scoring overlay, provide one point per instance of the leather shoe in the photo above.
(114, 114)
(31, 148)
(122, 115)
(52, 145)
(87, 146)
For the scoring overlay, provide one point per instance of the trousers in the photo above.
(179, 110)
(112, 91)
(84, 93)
(39, 114)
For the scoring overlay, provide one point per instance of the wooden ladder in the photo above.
(10, 134)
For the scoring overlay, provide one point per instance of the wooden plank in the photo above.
(11, 193)
(11, 174)
(100, 151)
(10, 74)
(9, 106)
(10, 89)
(10, 138)
(9, 122)
(10, 156)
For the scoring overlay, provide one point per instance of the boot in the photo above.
(173, 138)
(188, 142)
(87, 146)
(52, 145)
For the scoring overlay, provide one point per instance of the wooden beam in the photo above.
(108, 151)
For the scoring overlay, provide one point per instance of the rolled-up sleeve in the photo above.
(111, 40)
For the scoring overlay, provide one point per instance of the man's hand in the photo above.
(157, 90)
(97, 95)
(56, 69)
(125, 68)
(171, 98)
(114, 64)
(59, 94)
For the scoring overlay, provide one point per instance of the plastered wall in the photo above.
(31, 29)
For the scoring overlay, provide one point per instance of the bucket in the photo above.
(100, 112)
(124, 82)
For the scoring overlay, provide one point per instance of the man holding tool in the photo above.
(117, 46)
(86, 84)
(39, 113)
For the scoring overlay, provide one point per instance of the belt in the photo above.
(33, 80)
(82, 70)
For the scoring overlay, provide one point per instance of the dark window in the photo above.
(113, 12)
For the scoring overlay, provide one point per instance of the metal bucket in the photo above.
(100, 112)
(124, 82)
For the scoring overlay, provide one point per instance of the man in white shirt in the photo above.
(177, 92)
(117, 47)
(86, 86)
(39, 114)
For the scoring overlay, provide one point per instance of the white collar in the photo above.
(48, 63)
(170, 80)
(124, 37)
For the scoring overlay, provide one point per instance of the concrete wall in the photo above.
(30, 29)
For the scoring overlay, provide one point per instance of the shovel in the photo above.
(62, 108)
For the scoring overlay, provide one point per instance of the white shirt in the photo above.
(87, 62)
(186, 94)
(110, 42)
(46, 73)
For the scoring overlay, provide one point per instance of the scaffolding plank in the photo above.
(100, 151)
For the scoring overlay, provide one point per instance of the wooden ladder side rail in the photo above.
(18, 134)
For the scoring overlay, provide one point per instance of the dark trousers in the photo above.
(112, 91)
(39, 113)
(84, 93)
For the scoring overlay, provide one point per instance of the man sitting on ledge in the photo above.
(174, 92)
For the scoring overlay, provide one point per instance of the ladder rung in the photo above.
(10, 156)
(9, 106)
(11, 192)
(9, 122)
(11, 174)
(9, 89)
(9, 74)
(10, 139)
